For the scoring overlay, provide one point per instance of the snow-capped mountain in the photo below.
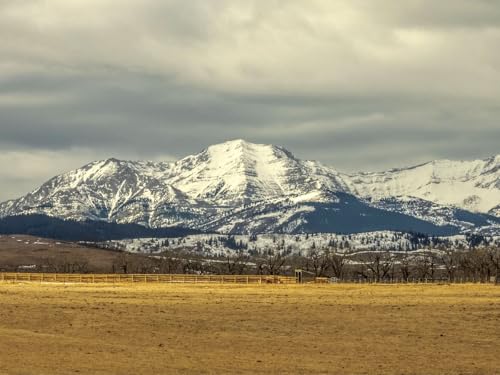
(471, 185)
(238, 172)
(241, 187)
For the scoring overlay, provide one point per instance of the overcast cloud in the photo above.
(356, 84)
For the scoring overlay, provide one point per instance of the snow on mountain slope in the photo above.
(111, 190)
(241, 172)
(471, 185)
(440, 215)
(186, 192)
(223, 245)
(241, 187)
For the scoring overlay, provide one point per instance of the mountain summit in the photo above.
(240, 187)
(243, 172)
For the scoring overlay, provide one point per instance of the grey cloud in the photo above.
(442, 14)
(357, 85)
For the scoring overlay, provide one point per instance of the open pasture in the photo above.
(249, 329)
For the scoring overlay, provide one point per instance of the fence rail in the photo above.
(215, 279)
(147, 278)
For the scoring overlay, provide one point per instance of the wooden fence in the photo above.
(215, 279)
(146, 278)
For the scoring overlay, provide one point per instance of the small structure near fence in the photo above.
(298, 276)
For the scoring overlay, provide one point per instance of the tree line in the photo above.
(473, 265)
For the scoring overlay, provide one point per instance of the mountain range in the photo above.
(240, 187)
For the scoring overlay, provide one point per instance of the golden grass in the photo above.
(239, 329)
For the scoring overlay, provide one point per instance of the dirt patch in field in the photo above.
(208, 329)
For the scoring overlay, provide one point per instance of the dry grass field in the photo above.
(238, 329)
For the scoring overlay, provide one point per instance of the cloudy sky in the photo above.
(359, 85)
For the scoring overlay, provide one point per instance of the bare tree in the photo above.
(337, 263)
(466, 264)
(169, 263)
(193, 266)
(450, 261)
(122, 263)
(425, 267)
(273, 262)
(494, 255)
(380, 265)
(481, 262)
(48, 265)
(236, 263)
(317, 262)
(405, 267)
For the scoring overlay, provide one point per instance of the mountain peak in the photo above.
(245, 172)
(239, 142)
(239, 145)
(112, 160)
(248, 151)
